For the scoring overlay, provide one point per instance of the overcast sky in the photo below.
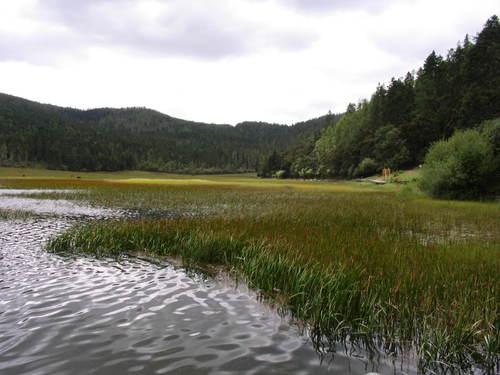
(223, 61)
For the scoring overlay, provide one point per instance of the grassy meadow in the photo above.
(382, 267)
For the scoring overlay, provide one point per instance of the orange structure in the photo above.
(386, 173)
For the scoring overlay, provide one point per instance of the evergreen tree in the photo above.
(482, 96)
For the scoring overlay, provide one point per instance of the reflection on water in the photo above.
(81, 315)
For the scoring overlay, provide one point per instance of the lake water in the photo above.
(80, 315)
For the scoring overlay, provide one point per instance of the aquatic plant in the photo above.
(14, 214)
(379, 270)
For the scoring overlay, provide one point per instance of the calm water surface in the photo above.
(80, 315)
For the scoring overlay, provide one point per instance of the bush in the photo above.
(491, 129)
(368, 167)
(280, 174)
(462, 167)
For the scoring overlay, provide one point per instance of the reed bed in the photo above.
(15, 215)
(373, 268)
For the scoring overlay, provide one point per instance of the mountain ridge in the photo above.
(137, 138)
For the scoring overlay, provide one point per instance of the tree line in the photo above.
(401, 120)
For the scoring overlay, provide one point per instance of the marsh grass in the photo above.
(15, 215)
(377, 266)
(377, 269)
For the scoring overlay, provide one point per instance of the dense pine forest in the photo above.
(135, 138)
(394, 129)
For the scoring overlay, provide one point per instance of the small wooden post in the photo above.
(386, 174)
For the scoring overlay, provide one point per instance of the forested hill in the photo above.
(396, 127)
(137, 138)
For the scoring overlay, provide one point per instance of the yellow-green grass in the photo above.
(8, 172)
(356, 262)
(39, 178)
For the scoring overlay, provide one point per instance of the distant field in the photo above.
(32, 177)
(56, 174)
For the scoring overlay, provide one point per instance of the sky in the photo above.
(223, 61)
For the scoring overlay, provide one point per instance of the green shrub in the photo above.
(280, 174)
(462, 167)
(367, 167)
(491, 129)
